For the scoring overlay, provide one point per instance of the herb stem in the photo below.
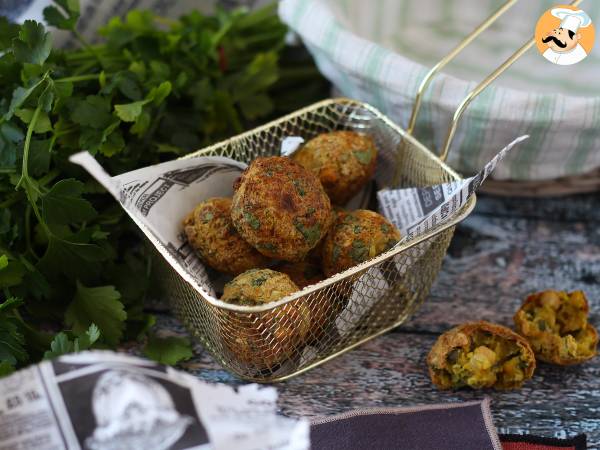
(11, 201)
(25, 171)
(25, 168)
(91, 76)
(83, 41)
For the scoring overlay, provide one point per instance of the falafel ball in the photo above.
(344, 161)
(266, 339)
(280, 208)
(325, 305)
(211, 234)
(357, 236)
(303, 273)
(556, 325)
(480, 355)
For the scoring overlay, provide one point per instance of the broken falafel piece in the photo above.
(480, 355)
(556, 325)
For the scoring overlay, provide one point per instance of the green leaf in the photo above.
(74, 257)
(63, 203)
(8, 31)
(99, 305)
(160, 92)
(129, 112)
(11, 137)
(33, 44)
(62, 344)
(92, 112)
(168, 350)
(256, 106)
(11, 272)
(39, 157)
(113, 144)
(42, 124)
(6, 368)
(47, 97)
(65, 19)
(12, 342)
(19, 95)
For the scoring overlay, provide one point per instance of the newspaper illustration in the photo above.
(102, 400)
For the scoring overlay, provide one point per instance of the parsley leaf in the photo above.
(168, 350)
(63, 203)
(100, 305)
(62, 344)
(65, 19)
(33, 44)
(12, 341)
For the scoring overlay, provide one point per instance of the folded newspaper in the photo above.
(103, 400)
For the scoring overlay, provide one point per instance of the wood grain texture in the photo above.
(507, 249)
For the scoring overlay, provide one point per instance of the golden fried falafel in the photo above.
(480, 355)
(355, 237)
(268, 338)
(303, 273)
(280, 208)
(325, 306)
(344, 161)
(556, 325)
(211, 234)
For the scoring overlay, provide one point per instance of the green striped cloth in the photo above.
(379, 51)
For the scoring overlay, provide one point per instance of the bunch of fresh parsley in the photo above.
(72, 271)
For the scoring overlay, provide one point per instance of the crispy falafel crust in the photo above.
(280, 208)
(460, 337)
(211, 234)
(555, 324)
(344, 161)
(355, 237)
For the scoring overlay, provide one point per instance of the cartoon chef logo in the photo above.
(565, 35)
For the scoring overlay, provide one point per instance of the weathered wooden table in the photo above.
(506, 249)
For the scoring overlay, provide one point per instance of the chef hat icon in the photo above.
(572, 20)
(133, 411)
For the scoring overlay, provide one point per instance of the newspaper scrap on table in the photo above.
(102, 400)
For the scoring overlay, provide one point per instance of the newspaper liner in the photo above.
(103, 400)
(159, 197)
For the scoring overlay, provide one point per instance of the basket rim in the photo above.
(362, 267)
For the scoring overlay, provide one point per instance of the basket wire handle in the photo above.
(448, 58)
(481, 86)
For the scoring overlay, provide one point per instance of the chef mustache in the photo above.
(556, 41)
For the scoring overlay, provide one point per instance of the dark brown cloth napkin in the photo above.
(462, 426)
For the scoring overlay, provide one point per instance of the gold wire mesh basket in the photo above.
(284, 338)
(278, 340)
